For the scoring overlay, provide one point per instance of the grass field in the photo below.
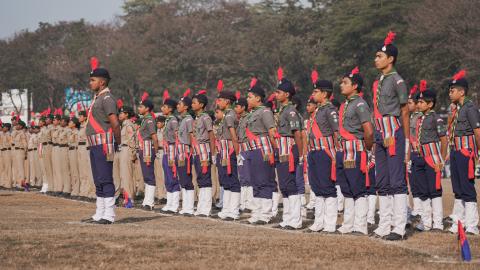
(42, 232)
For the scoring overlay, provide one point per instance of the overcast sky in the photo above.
(16, 15)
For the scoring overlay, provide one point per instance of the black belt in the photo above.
(63, 145)
(82, 143)
(19, 148)
(4, 149)
(123, 145)
(33, 149)
(72, 148)
(55, 144)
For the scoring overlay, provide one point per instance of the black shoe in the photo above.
(289, 228)
(88, 220)
(229, 219)
(354, 233)
(395, 237)
(435, 230)
(66, 195)
(278, 226)
(310, 231)
(162, 201)
(104, 222)
(50, 193)
(187, 215)
(374, 235)
(147, 207)
(260, 222)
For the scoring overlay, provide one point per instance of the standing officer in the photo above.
(356, 133)
(229, 150)
(322, 134)
(289, 153)
(73, 125)
(464, 135)
(19, 144)
(392, 144)
(168, 162)
(7, 155)
(246, 190)
(184, 154)
(261, 132)
(102, 128)
(127, 155)
(64, 166)
(148, 146)
(203, 142)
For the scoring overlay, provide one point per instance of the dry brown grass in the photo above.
(42, 232)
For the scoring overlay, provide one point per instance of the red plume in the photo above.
(414, 89)
(423, 85)
(93, 63)
(49, 110)
(187, 92)
(389, 39)
(253, 82)
(165, 95)
(331, 97)
(153, 115)
(279, 73)
(144, 96)
(119, 103)
(314, 76)
(237, 95)
(202, 92)
(32, 123)
(72, 114)
(461, 74)
(271, 97)
(355, 71)
(220, 86)
(12, 114)
(79, 107)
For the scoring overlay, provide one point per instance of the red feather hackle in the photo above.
(414, 89)
(356, 70)
(459, 75)
(119, 103)
(93, 63)
(390, 38)
(144, 96)
(314, 76)
(423, 85)
(237, 95)
(166, 95)
(187, 92)
(280, 73)
(253, 82)
(219, 86)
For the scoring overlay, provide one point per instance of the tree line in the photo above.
(180, 44)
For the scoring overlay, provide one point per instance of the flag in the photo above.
(463, 243)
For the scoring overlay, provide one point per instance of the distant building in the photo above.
(15, 101)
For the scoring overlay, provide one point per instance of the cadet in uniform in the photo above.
(261, 132)
(184, 154)
(428, 168)
(64, 166)
(73, 125)
(356, 133)
(228, 154)
(311, 109)
(289, 154)
(159, 177)
(322, 134)
(102, 127)
(168, 162)
(392, 144)
(87, 187)
(203, 142)
(246, 189)
(19, 144)
(127, 155)
(7, 155)
(148, 146)
(414, 157)
(44, 153)
(33, 179)
(464, 135)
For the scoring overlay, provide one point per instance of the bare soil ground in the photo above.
(42, 232)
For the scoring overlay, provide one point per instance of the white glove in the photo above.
(240, 160)
(214, 159)
(300, 159)
(409, 166)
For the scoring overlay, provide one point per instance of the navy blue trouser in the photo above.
(390, 170)
(288, 180)
(262, 175)
(371, 174)
(184, 178)
(352, 180)
(148, 171)
(204, 180)
(319, 174)
(412, 176)
(171, 183)
(463, 187)
(426, 180)
(102, 171)
(229, 181)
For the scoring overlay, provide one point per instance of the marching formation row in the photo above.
(260, 153)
